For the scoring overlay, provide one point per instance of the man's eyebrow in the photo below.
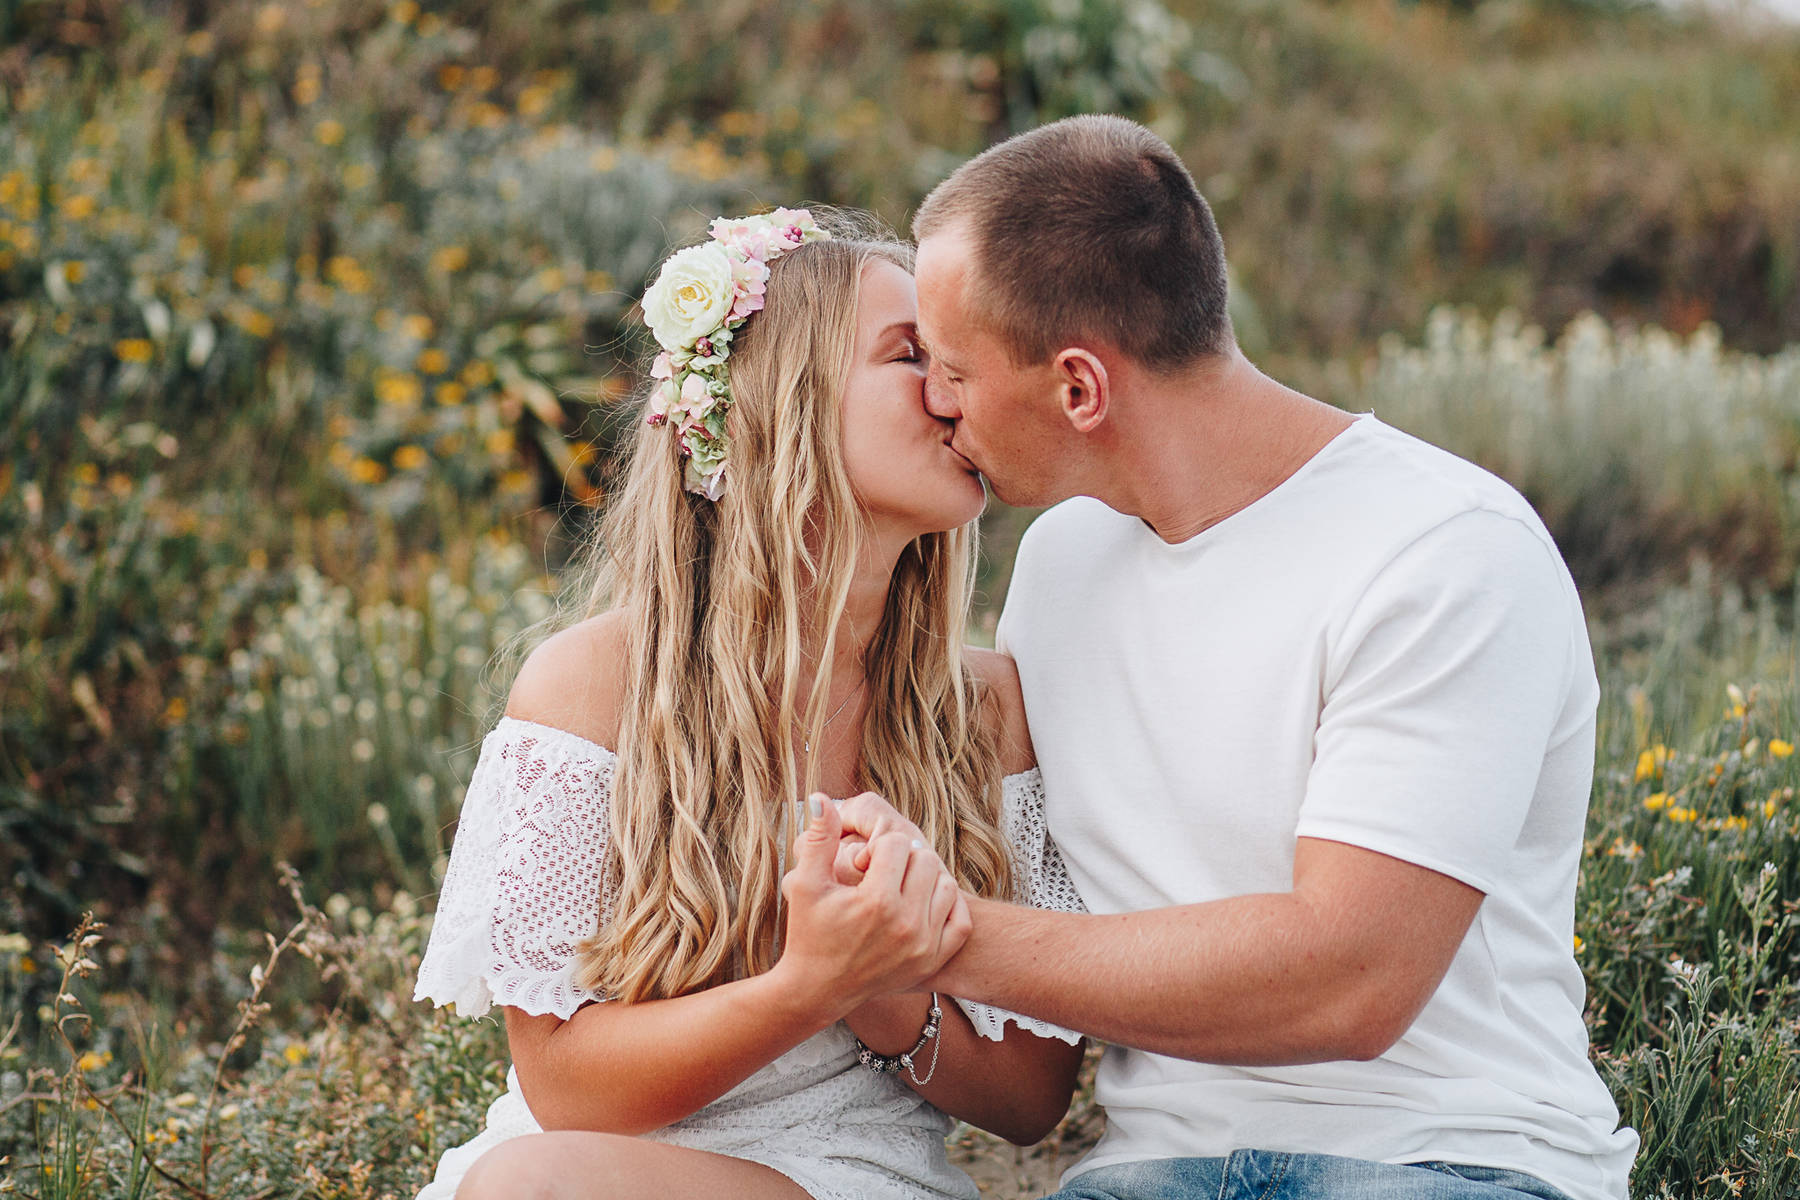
(931, 352)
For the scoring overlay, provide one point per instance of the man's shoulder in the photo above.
(1398, 488)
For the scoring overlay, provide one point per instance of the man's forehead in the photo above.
(946, 255)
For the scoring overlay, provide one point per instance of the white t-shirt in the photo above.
(1386, 650)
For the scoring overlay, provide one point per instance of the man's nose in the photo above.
(938, 399)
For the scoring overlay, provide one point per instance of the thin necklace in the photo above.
(806, 746)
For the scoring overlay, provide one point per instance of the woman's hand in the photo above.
(894, 928)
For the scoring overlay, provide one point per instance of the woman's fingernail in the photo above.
(814, 809)
(917, 844)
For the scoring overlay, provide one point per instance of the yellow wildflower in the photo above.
(79, 207)
(399, 388)
(256, 324)
(294, 1052)
(447, 260)
(500, 441)
(367, 470)
(328, 132)
(405, 12)
(134, 350)
(603, 159)
(1579, 943)
(410, 458)
(433, 361)
(450, 76)
(1659, 800)
(1685, 816)
(1779, 748)
(477, 374)
(176, 712)
(417, 326)
(1651, 762)
(483, 79)
(89, 1062)
(450, 393)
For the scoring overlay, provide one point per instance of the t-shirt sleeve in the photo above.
(526, 882)
(1444, 688)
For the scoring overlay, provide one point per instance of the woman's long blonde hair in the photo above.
(728, 606)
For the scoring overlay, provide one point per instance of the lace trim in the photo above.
(527, 866)
(1042, 881)
(525, 872)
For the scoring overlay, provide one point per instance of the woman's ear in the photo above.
(1082, 388)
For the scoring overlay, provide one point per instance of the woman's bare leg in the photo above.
(574, 1165)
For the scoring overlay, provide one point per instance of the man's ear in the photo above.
(1082, 388)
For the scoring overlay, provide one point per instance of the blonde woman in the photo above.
(706, 992)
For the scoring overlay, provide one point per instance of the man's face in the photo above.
(1007, 418)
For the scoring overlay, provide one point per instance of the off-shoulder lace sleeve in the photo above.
(1042, 881)
(524, 885)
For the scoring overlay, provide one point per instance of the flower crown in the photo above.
(700, 297)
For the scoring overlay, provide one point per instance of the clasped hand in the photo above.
(870, 907)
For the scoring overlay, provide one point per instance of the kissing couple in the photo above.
(1276, 784)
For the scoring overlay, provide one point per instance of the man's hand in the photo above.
(867, 817)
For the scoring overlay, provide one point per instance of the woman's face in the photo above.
(897, 454)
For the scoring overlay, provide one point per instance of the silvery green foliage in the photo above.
(363, 720)
(1605, 425)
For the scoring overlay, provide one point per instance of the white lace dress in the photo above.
(524, 887)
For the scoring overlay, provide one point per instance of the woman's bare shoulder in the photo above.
(1006, 703)
(574, 680)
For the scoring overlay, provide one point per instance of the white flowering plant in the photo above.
(699, 299)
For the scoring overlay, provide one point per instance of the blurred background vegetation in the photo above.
(317, 334)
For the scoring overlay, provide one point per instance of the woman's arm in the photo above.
(1018, 1088)
(631, 1067)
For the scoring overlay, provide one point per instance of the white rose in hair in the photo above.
(690, 297)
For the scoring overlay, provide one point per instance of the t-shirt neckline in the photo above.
(1358, 420)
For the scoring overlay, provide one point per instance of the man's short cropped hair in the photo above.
(1089, 227)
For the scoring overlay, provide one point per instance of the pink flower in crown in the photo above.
(663, 367)
(789, 227)
(665, 396)
(750, 278)
(746, 237)
(696, 401)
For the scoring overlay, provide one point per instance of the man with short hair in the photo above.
(1314, 704)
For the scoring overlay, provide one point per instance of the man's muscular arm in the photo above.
(1337, 968)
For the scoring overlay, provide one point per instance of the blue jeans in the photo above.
(1273, 1175)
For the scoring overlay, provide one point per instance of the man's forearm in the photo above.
(1257, 980)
